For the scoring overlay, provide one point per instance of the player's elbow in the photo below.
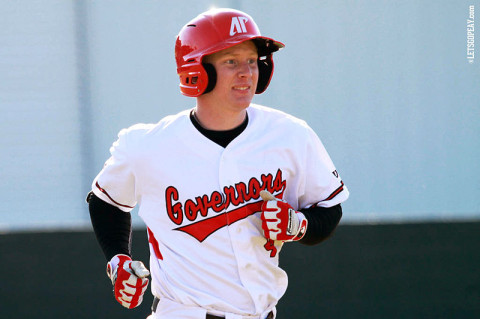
(322, 223)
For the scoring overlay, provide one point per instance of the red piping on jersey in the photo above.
(152, 240)
(335, 193)
(105, 192)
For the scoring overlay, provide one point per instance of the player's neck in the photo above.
(219, 121)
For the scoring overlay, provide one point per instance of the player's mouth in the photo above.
(241, 88)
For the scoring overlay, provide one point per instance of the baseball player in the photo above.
(221, 187)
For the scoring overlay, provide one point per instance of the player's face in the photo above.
(237, 75)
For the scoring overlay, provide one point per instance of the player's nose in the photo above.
(246, 70)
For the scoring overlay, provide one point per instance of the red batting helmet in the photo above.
(213, 31)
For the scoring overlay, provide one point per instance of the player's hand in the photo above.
(129, 279)
(280, 221)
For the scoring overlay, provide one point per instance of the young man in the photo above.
(221, 187)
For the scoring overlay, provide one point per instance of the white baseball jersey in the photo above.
(201, 203)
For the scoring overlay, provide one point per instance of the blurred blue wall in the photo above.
(386, 85)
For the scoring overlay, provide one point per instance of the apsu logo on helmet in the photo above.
(238, 25)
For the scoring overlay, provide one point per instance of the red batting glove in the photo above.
(129, 280)
(280, 221)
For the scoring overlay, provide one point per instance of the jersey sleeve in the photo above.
(115, 184)
(323, 185)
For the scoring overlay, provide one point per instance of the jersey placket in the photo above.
(239, 233)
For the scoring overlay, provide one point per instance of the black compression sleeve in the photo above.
(321, 223)
(112, 226)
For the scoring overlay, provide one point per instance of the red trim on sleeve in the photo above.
(335, 193)
(105, 192)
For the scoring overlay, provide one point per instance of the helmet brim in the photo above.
(265, 46)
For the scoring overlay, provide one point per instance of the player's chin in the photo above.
(243, 96)
(242, 103)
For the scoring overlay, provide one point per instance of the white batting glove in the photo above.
(129, 280)
(280, 221)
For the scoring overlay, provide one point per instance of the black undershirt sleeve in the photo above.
(322, 222)
(112, 227)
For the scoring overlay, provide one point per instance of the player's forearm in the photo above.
(113, 227)
(321, 223)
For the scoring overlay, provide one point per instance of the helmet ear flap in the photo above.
(193, 79)
(265, 71)
(212, 77)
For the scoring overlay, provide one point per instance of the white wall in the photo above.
(386, 85)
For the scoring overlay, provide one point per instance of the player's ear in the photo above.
(212, 76)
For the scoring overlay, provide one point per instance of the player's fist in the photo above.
(280, 221)
(129, 279)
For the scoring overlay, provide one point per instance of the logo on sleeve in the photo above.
(238, 25)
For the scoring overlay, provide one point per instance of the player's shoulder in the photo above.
(145, 130)
(271, 116)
